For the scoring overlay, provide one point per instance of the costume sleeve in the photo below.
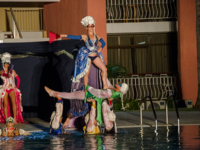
(18, 81)
(78, 37)
(100, 93)
(16, 132)
(102, 42)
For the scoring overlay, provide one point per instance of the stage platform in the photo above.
(125, 119)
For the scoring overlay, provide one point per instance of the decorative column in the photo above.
(187, 49)
(65, 16)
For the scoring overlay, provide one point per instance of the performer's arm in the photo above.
(16, 132)
(75, 37)
(1, 72)
(78, 37)
(103, 43)
(17, 78)
(3, 133)
(91, 100)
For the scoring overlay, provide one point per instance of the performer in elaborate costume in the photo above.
(11, 131)
(90, 52)
(108, 118)
(10, 94)
(56, 126)
(94, 96)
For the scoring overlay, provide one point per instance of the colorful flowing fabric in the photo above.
(108, 117)
(82, 64)
(3, 89)
(77, 107)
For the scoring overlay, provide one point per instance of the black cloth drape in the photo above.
(39, 64)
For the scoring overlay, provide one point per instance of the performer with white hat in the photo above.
(10, 91)
(97, 97)
(90, 53)
(87, 54)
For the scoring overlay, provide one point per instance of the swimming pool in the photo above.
(127, 138)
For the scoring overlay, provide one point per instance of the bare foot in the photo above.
(49, 91)
(15, 121)
(107, 87)
(66, 123)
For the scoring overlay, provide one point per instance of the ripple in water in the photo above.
(129, 138)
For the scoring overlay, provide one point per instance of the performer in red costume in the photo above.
(10, 100)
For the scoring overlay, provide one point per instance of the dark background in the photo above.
(37, 65)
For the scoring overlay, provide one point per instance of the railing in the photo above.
(28, 19)
(140, 10)
(14, 26)
(151, 88)
(159, 87)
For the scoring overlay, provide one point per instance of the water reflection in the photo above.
(130, 138)
(141, 132)
(57, 143)
(11, 143)
(190, 137)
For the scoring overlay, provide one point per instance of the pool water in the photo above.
(127, 138)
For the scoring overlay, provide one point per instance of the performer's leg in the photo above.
(5, 105)
(79, 95)
(107, 122)
(98, 62)
(91, 123)
(14, 105)
(69, 115)
(87, 76)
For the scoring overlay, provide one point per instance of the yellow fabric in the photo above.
(94, 104)
(95, 131)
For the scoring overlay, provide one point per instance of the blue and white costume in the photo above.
(82, 65)
(83, 60)
(55, 124)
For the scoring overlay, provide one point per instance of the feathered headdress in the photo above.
(124, 88)
(10, 120)
(6, 58)
(87, 20)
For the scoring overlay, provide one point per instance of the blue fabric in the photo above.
(81, 61)
(102, 42)
(79, 72)
(82, 58)
(58, 131)
(80, 113)
(93, 57)
(60, 101)
(78, 37)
